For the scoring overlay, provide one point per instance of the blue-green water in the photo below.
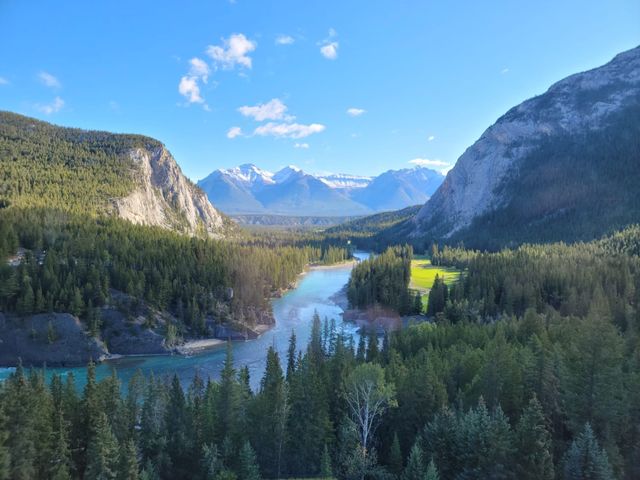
(293, 312)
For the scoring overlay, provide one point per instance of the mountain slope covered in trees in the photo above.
(92, 172)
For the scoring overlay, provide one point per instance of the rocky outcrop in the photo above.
(579, 104)
(54, 339)
(165, 197)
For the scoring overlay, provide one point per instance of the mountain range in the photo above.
(249, 190)
(564, 165)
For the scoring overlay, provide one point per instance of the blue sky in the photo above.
(333, 86)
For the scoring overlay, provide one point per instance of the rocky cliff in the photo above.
(163, 196)
(590, 115)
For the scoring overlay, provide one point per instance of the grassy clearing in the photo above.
(423, 274)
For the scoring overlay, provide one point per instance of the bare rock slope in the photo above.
(165, 197)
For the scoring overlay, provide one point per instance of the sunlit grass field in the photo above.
(423, 274)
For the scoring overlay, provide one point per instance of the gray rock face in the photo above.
(578, 103)
(57, 339)
(165, 197)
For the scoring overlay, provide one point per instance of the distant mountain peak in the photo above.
(248, 189)
(287, 173)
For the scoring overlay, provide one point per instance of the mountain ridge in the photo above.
(249, 190)
(533, 174)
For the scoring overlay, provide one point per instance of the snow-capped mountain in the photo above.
(250, 175)
(343, 181)
(248, 189)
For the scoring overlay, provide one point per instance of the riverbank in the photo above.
(191, 347)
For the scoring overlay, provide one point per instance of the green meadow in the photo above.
(423, 274)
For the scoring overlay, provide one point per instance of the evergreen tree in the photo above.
(533, 444)
(372, 345)
(248, 469)
(291, 355)
(394, 461)
(60, 468)
(432, 471)
(270, 415)
(5, 459)
(585, 460)
(415, 469)
(128, 462)
(176, 430)
(102, 454)
(326, 471)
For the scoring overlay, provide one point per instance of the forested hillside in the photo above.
(72, 263)
(92, 172)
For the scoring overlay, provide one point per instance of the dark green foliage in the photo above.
(438, 297)
(77, 261)
(43, 165)
(383, 280)
(533, 444)
(502, 392)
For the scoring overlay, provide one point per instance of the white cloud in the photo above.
(49, 80)
(189, 89)
(199, 69)
(504, 70)
(442, 166)
(274, 109)
(234, 132)
(288, 130)
(53, 107)
(330, 50)
(425, 162)
(284, 40)
(431, 138)
(355, 112)
(4, 81)
(234, 51)
(301, 145)
(329, 46)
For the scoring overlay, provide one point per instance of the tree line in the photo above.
(520, 398)
(73, 263)
(384, 280)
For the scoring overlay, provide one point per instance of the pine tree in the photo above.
(5, 458)
(415, 469)
(291, 355)
(128, 462)
(175, 428)
(270, 412)
(61, 466)
(372, 345)
(395, 457)
(102, 454)
(533, 444)
(228, 402)
(432, 471)
(585, 460)
(248, 469)
(326, 471)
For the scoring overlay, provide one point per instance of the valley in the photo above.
(382, 288)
